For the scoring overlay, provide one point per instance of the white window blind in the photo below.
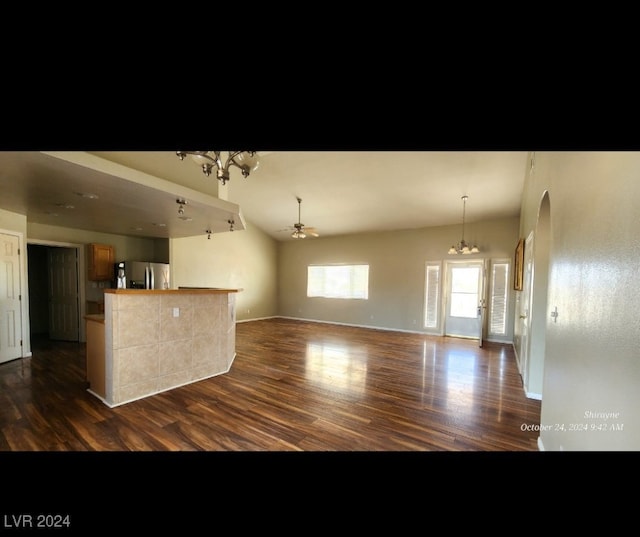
(432, 295)
(499, 298)
(338, 281)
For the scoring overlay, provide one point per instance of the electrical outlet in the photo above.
(176, 312)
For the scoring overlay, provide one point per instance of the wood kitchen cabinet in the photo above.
(100, 262)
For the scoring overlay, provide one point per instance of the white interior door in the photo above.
(63, 294)
(10, 298)
(463, 311)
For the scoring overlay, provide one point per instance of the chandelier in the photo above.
(247, 161)
(462, 247)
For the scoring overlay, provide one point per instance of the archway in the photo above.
(540, 284)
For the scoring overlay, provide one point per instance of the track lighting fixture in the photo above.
(231, 223)
(181, 203)
(208, 232)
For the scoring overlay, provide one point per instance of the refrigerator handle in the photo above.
(146, 277)
(152, 278)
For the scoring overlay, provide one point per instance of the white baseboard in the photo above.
(530, 395)
(515, 351)
(256, 319)
(356, 325)
(370, 327)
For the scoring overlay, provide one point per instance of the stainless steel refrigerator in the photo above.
(145, 275)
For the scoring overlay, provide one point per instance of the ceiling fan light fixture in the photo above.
(299, 234)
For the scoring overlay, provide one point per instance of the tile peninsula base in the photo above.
(158, 340)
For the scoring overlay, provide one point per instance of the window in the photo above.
(338, 281)
(432, 296)
(464, 292)
(499, 298)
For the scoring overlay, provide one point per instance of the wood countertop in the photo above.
(180, 290)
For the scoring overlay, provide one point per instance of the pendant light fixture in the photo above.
(462, 247)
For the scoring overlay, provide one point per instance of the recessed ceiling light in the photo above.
(87, 195)
(65, 205)
(159, 225)
(185, 218)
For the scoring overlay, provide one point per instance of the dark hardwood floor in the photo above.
(294, 386)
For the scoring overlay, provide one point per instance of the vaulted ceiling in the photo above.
(342, 192)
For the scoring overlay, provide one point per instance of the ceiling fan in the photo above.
(300, 231)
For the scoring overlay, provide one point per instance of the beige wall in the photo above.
(125, 247)
(244, 259)
(13, 221)
(591, 360)
(396, 271)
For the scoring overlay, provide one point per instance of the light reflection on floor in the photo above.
(460, 378)
(453, 378)
(336, 367)
(499, 379)
(429, 361)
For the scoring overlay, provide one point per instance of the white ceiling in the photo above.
(342, 192)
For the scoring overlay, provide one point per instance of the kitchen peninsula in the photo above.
(156, 340)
